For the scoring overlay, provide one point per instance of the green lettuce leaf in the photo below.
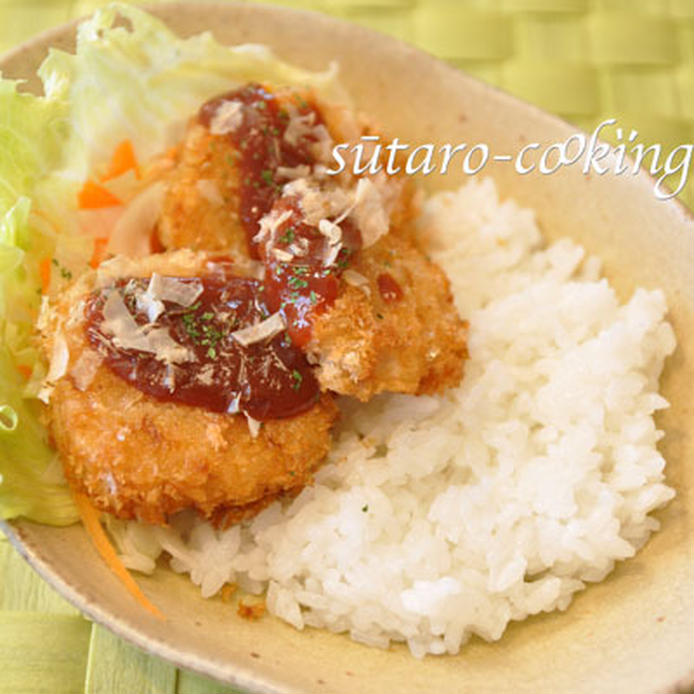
(31, 132)
(130, 78)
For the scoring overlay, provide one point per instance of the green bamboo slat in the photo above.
(22, 589)
(553, 6)
(627, 87)
(627, 38)
(23, 19)
(550, 37)
(115, 667)
(453, 30)
(682, 8)
(562, 88)
(667, 132)
(685, 88)
(655, 7)
(315, 5)
(685, 41)
(366, 5)
(42, 654)
(191, 683)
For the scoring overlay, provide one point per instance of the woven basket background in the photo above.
(586, 60)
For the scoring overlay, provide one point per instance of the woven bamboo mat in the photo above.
(586, 60)
(47, 647)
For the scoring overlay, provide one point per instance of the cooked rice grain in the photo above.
(441, 517)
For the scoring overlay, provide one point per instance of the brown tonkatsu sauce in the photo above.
(268, 379)
(271, 378)
(388, 287)
(305, 286)
(260, 141)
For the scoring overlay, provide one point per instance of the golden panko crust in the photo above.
(137, 457)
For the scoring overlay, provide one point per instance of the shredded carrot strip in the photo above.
(45, 274)
(99, 253)
(25, 370)
(90, 518)
(123, 160)
(94, 196)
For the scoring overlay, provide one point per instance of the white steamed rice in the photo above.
(437, 518)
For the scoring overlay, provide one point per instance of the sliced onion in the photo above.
(264, 330)
(322, 148)
(291, 173)
(369, 212)
(127, 334)
(60, 356)
(331, 231)
(253, 426)
(101, 222)
(317, 204)
(85, 368)
(298, 126)
(174, 290)
(165, 348)
(299, 247)
(131, 234)
(358, 280)
(122, 186)
(149, 305)
(282, 256)
(227, 118)
(331, 256)
(269, 224)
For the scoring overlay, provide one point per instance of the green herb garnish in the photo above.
(297, 283)
(288, 236)
(267, 176)
(64, 272)
(190, 325)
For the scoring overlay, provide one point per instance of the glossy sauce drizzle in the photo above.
(268, 379)
(388, 288)
(271, 378)
(260, 140)
(305, 286)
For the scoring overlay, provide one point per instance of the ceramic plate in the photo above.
(634, 632)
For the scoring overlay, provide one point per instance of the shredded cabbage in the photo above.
(129, 79)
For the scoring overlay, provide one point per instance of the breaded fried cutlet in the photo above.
(201, 202)
(395, 329)
(390, 323)
(142, 457)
